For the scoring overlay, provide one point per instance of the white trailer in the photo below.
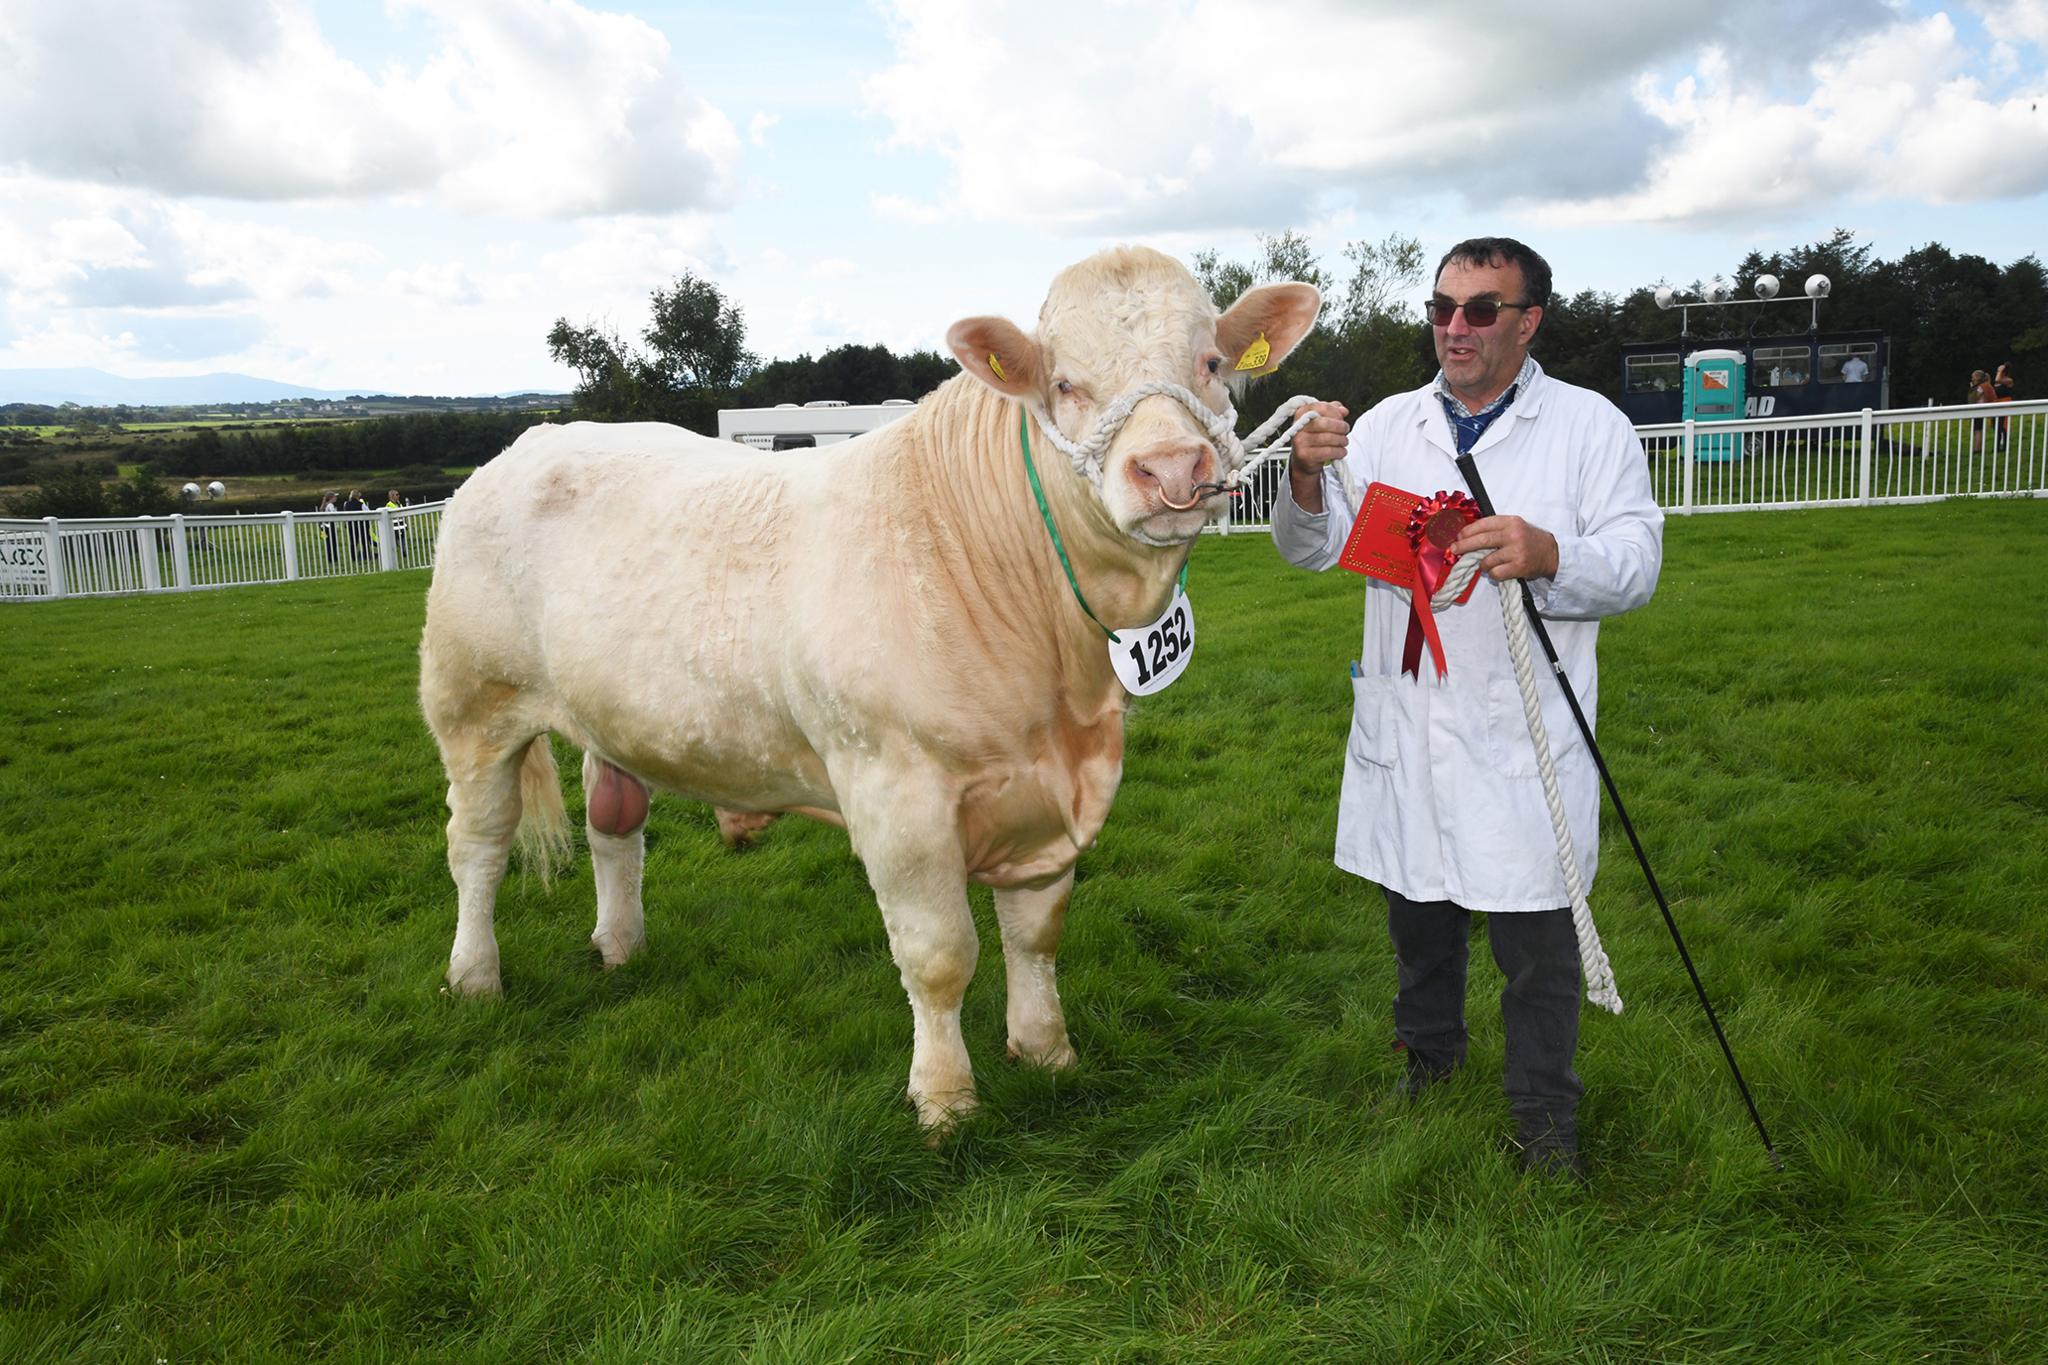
(788, 426)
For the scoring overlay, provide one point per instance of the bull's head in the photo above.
(1120, 321)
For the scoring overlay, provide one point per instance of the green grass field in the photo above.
(238, 1119)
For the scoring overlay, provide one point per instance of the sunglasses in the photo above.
(1478, 312)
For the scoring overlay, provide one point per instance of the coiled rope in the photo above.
(1600, 987)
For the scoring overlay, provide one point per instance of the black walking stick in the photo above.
(1472, 480)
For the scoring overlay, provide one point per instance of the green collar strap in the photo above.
(1045, 514)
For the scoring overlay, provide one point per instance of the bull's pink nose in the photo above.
(1174, 471)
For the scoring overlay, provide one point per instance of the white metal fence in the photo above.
(1839, 460)
(107, 557)
(1846, 459)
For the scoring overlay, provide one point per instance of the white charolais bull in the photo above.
(878, 633)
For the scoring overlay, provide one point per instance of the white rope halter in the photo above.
(1220, 427)
(1600, 987)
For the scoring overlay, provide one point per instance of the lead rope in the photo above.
(1600, 987)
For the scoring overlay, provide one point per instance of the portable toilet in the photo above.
(1714, 392)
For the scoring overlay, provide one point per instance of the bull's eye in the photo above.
(1066, 389)
(1214, 364)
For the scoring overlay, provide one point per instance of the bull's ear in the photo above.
(997, 353)
(1280, 314)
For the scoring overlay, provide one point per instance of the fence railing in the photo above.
(111, 556)
(1842, 459)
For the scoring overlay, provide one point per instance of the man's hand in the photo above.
(1324, 439)
(1519, 549)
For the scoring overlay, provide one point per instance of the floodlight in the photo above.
(1719, 290)
(215, 489)
(1817, 286)
(1766, 286)
(190, 490)
(1665, 296)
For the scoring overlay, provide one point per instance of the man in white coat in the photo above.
(1441, 803)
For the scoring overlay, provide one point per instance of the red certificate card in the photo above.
(1378, 545)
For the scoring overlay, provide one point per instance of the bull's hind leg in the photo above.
(914, 864)
(483, 819)
(1032, 919)
(615, 819)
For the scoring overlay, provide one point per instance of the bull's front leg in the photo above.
(1032, 920)
(920, 882)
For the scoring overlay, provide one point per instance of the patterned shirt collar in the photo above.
(1454, 405)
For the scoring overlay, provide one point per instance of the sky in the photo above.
(404, 196)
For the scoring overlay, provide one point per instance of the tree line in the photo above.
(695, 361)
(1945, 314)
(417, 446)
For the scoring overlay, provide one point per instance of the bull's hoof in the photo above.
(616, 949)
(474, 981)
(1055, 1057)
(940, 1115)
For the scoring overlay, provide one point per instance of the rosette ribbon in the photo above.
(1432, 527)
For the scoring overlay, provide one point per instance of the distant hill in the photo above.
(97, 388)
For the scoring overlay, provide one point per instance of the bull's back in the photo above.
(631, 582)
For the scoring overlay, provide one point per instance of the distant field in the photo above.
(238, 1119)
(217, 422)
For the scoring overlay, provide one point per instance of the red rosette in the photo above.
(1433, 527)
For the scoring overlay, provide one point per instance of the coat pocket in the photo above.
(1372, 721)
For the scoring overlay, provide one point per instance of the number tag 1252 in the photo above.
(1148, 658)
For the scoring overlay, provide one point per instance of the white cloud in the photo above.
(1177, 114)
(442, 283)
(2016, 21)
(1903, 108)
(530, 108)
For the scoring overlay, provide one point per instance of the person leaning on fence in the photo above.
(327, 504)
(358, 529)
(1441, 803)
(2002, 385)
(1981, 391)
(392, 504)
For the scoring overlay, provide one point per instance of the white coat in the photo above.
(1441, 799)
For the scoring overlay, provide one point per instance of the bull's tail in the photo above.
(544, 843)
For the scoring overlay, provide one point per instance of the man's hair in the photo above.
(1504, 251)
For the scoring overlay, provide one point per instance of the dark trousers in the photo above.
(1538, 952)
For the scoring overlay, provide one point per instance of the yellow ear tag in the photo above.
(997, 366)
(1255, 354)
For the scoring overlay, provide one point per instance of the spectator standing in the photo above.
(327, 505)
(1980, 392)
(359, 528)
(392, 505)
(2002, 385)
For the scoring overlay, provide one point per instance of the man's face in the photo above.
(1480, 362)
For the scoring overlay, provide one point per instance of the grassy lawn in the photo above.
(238, 1119)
